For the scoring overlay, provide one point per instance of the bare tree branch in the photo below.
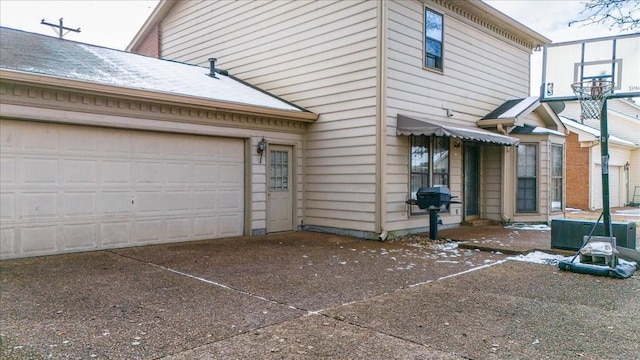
(622, 13)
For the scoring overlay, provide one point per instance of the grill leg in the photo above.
(433, 222)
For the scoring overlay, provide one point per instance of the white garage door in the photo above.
(73, 188)
(616, 189)
(614, 186)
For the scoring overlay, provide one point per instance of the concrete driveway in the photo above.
(306, 295)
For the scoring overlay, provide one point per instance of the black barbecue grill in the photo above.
(433, 199)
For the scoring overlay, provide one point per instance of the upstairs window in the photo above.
(433, 33)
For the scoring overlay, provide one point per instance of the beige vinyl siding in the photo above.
(480, 73)
(532, 119)
(491, 188)
(317, 54)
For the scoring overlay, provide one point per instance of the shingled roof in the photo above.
(32, 53)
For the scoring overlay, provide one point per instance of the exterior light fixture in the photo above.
(262, 145)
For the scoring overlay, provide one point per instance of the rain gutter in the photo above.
(153, 96)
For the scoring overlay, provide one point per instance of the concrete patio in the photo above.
(306, 295)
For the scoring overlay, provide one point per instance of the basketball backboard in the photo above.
(615, 58)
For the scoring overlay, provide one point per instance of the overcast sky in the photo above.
(113, 23)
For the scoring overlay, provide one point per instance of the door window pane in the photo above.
(279, 170)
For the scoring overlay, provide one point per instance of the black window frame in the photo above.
(432, 60)
(433, 147)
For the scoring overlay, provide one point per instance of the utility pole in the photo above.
(59, 29)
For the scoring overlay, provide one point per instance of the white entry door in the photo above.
(279, 192)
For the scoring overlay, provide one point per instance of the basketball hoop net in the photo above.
(592, 94)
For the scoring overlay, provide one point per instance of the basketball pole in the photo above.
(604, 153)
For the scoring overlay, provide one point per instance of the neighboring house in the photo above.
(102, 149)
(584, 158)
(410, 93)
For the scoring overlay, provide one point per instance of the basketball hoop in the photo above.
(592, 94)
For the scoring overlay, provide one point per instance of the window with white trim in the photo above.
(557, 171)
(527, 193)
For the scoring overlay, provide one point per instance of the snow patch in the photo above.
(523, 226)
(539, 257)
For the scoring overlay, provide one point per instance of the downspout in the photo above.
(381, 123)
(507, 180)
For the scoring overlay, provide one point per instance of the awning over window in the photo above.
(408, 125)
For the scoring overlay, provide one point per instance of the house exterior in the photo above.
(372, 70)
(584, 157)
(102, 149)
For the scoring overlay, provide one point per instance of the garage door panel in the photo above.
(178, 148)
(80, 141)
(7, 170)
(203, 149)
(37, 205)
(79, 172)
(205, 175)
(79, 204)
(614, 186)
(80, 236)
(115, 233)
(38, 138)
(148, 173)
(39, 239)
(8, 242)
(116, 202)
(205, 227)
(148, 231)
(178, 174)
(178, 229)
(115, 172)
(71, 188)
(113, 142)
(149, 145)
(228, 224)
(205, 201)
(7, 206)
(178, 202)
(230, 174)
(8, 138)
(149, 202)
(38, 171)
(229, 200)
